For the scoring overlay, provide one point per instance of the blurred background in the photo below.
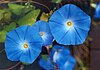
(14, 13)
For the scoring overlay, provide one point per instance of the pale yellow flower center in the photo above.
(69, 23)
(26, 45)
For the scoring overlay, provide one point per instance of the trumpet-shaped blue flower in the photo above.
(46, 64)
(97, 12)
(44, 30)
(23, 44)
(61, 56)
(58, 48)
(69, 25)
(66, 64)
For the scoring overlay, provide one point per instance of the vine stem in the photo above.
(13, 66)
(1, 2)
(48, 50)
(57, 67)
(21, 67)
(1, 51)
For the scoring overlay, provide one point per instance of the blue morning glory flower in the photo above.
(69, 25)
(58, 48)
(68, 64)
(59, 56)
(63, 59)
(97, 12)
(44, 30)
(23, 44)
(46, 64)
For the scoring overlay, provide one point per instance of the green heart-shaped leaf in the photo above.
(10, 27)
(15, 8)
(1, 14)
(29, 18)
(44, 17)
(45, 57)
(5, 15)
(3, 35)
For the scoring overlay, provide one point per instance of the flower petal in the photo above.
(12, 49)
(32, 35)
(29, 56)
(42, 26)
(97, 12)
(69, 35)
(21, 31)
(74, 16)
(69, 64)
(48, 65)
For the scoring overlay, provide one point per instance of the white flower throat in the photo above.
(41, 33)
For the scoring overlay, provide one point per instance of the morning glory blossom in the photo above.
(23, 44)
(46, 64)
(69, 25)
(43, 28)
(61, 56)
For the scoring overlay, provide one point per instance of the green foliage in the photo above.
(2, 35)
(29, 18)
(56, 1)
(16, 14)
(5, 15)
(27, 9)
(45, 57)
(25, 63)
(6, 28)
(10, 27)
(1, 14)
(44, 17)
(15, 8)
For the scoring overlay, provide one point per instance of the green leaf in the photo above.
(26, 10)
(7, 16)
(1, 14)
(25, 63)
(3, 35)
(56, 1)
(10, 27)
(15, 8)
(29, 18)
(44, 17)
(45, 57)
